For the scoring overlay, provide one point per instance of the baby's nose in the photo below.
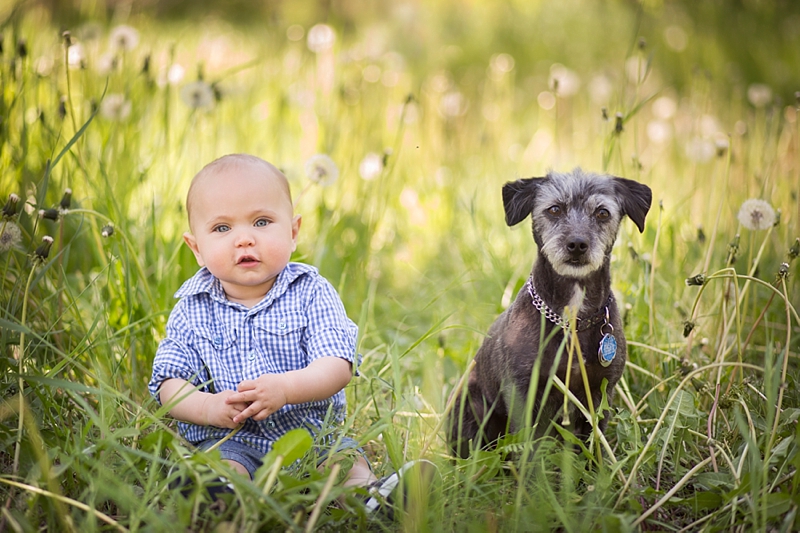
(244, 238)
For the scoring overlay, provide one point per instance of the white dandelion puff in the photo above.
(564, 81)
(10, 235)
(453, 104)
(756, 214)
(370, 167)
(115, 107)
(759, 94)
(123, 38)
(198, 95)
(699, 150)
(321, 38)
(322, 170)
(76, 56)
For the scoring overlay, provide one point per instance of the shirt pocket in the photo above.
(217, 350)
(281, 340)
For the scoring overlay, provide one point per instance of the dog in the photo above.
(576, 217)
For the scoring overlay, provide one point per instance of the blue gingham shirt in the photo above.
(215, 344)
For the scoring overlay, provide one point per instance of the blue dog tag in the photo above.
(608, 349)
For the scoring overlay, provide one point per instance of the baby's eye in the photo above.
(261, 222)
(221, 228)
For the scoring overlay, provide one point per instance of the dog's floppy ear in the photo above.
(635, 200)
(518, 199)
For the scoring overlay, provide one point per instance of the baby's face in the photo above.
(243, 229)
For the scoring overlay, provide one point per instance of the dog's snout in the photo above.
(577, 246)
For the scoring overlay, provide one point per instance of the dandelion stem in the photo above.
(784, 369)
(69, 90)
(653, 259)
(666, 410)
(20, 363)
(82, 506)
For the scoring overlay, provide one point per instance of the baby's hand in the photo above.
(218, 412)
(263, 396)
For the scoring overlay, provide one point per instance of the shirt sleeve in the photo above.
(329, 332)
(175, 357)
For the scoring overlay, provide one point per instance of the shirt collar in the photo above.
(205, 282)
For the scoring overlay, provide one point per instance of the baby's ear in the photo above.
(297, 221)
(191, 242)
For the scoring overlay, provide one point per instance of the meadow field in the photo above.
(397, 123)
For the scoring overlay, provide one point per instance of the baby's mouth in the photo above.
(247, 260)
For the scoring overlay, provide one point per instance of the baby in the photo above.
(255, 340)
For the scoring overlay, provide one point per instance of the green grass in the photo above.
(705, 432)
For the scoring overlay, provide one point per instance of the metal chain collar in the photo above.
(558, 320)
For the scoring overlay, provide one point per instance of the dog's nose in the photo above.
(577, 247)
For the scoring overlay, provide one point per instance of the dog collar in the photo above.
(607, 350)
(582, 323)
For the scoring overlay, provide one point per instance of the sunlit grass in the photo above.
(426, 111)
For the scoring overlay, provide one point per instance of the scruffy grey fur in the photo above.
(575, 221)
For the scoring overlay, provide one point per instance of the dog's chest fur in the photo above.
(520, 337)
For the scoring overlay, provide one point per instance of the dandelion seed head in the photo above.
(43, 250)
(123, 38)
(759, 94)
(175, 74)
(320, 38)
(49, 214)
(564, 81)
(10, 236)
(115, 107)
(371, 166)
(453, 104)
(700, 150)
(659, 131)
(664, 107)
(722, 144)
(756, 214)
(322, 170)
(76, 56)
(10, 208)
(198, 95)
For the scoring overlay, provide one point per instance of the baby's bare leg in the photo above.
(239, 467)
(360, 475)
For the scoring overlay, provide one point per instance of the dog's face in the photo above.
(576, 215)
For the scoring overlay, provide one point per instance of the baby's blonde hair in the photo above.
(231, 161)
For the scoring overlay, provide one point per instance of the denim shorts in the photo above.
(250, 457)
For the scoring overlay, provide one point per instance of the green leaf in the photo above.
(700, 501)
(778, 503)
(291, 447)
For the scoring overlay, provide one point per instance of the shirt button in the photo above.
(217, 341)
(282, 325)
(252, 355)
(271, 424)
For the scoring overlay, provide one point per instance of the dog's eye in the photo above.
(554, 210)
(603, 214)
